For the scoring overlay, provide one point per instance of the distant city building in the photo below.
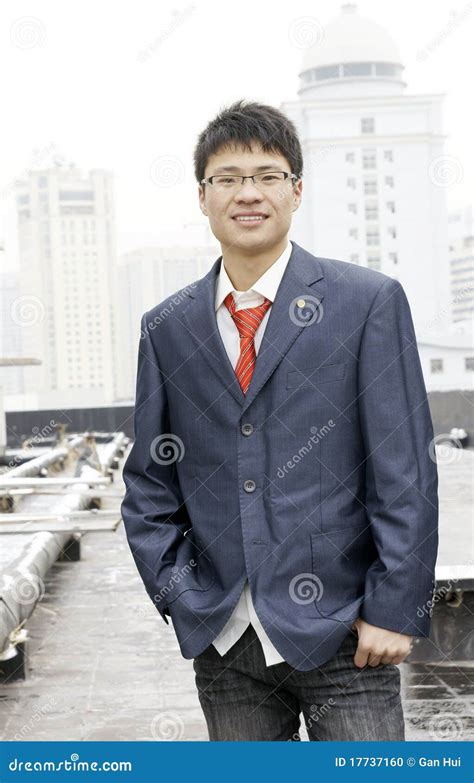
(148, 275)
(67, 247)
(461, 253)
(371, 194)
(447, 358)
(12, 380)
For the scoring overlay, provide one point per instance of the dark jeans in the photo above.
(242, 699)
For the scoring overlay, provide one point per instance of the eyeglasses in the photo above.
(265, 181)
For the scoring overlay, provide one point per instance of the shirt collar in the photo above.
(265, 286)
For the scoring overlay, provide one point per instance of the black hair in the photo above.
(244, 122)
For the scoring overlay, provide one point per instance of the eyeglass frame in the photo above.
(208, 180)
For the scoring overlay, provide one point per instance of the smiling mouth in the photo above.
(250, 219)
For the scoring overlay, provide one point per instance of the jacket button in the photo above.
(249, 485)
(246, 429)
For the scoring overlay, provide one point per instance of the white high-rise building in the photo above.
(146, 277)
(461, 252)
(372, 191)
(67, 246)
(12, 381)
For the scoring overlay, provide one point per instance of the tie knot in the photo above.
(247, 319)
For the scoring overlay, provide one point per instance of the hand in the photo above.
(379, 645)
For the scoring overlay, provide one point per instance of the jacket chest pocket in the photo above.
(315, 375)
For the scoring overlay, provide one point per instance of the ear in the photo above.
(297, 193)
(202, 202)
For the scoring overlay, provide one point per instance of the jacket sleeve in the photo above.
(153, 511)
(401, 478)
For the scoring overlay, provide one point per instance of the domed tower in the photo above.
(373, 158)
(352, 53)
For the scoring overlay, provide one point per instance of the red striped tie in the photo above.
(247, 321)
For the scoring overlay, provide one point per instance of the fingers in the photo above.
(373, 658)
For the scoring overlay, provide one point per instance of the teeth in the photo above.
(249, 217)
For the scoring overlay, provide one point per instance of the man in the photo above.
(281, 504)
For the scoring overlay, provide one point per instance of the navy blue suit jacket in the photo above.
(319, 485)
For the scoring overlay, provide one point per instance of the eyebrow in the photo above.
(272, 165)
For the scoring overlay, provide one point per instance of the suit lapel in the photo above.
(285, 323)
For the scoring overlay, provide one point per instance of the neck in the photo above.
(246, 267)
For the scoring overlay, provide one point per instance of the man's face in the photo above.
(274, 204)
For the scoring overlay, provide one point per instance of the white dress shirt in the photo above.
(266, 286)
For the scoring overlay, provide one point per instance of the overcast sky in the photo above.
(119, 85)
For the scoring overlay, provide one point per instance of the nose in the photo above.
(248, 192)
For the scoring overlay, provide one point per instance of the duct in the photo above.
(21, 585)
(111, 452)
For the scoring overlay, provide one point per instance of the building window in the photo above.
(371, 211)
(373, 237)
(76, 195)
(353, 233)
(42, 182)
(469, 363)
(389, 181)
(369, 160)
(392, 232)
(436, 365)
(388, 155)
(351, 183)
(327, 72)
(350, 157)
(373, 262)
(393, 257)
(352, 208)
(370, 187)
(357, 69)
(391, 207)
(367, 125)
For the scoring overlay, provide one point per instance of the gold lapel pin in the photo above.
(301, 303)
